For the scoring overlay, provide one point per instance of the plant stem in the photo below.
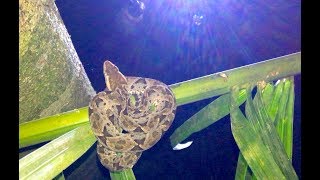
(220, 83)
(49, 128)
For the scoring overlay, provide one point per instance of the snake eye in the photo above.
(152, 107)
(132, 100)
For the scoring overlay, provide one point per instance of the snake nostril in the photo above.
(125, 132)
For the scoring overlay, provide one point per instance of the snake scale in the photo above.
(129, 117)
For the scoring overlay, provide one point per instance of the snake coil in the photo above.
(129, 117)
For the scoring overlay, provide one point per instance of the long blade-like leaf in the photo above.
(208, 115)
(288, 121)
(279, 104)
(52, 158)
(263, 125)
(250, 143)
(242, 171)
(273, 105)
(284, 117)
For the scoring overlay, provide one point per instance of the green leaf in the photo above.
(284, 118)
(126, 174)
(242, 171)
(267, 93)
(288, 122)
(52, 158)
(273, 105)
(264, 125)
(250, 143)
(208, 115)
(46, 129)
(280, 103)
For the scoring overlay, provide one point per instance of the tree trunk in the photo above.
(51, 76)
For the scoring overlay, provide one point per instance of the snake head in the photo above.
(113, 77)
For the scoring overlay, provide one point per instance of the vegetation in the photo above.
(263, 134)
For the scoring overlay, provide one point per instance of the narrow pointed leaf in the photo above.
(251, 145)
(242, 171)
(280, 116)
(208, 115)
(52, 158)
(288, 122)
(276, 99)
(284, 118)
(272, 107)
(264, 126)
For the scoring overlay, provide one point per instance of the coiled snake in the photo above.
(129, 117)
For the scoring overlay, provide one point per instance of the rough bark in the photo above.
(51, 76)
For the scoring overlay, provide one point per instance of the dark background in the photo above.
(172, 43)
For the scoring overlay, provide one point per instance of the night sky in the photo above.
(174, 41)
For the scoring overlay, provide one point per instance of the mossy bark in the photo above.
(51, 76)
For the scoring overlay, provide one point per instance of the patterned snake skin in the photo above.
(129, 117)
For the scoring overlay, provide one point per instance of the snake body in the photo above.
(129, 117)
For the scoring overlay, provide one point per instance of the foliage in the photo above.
(52, 158)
